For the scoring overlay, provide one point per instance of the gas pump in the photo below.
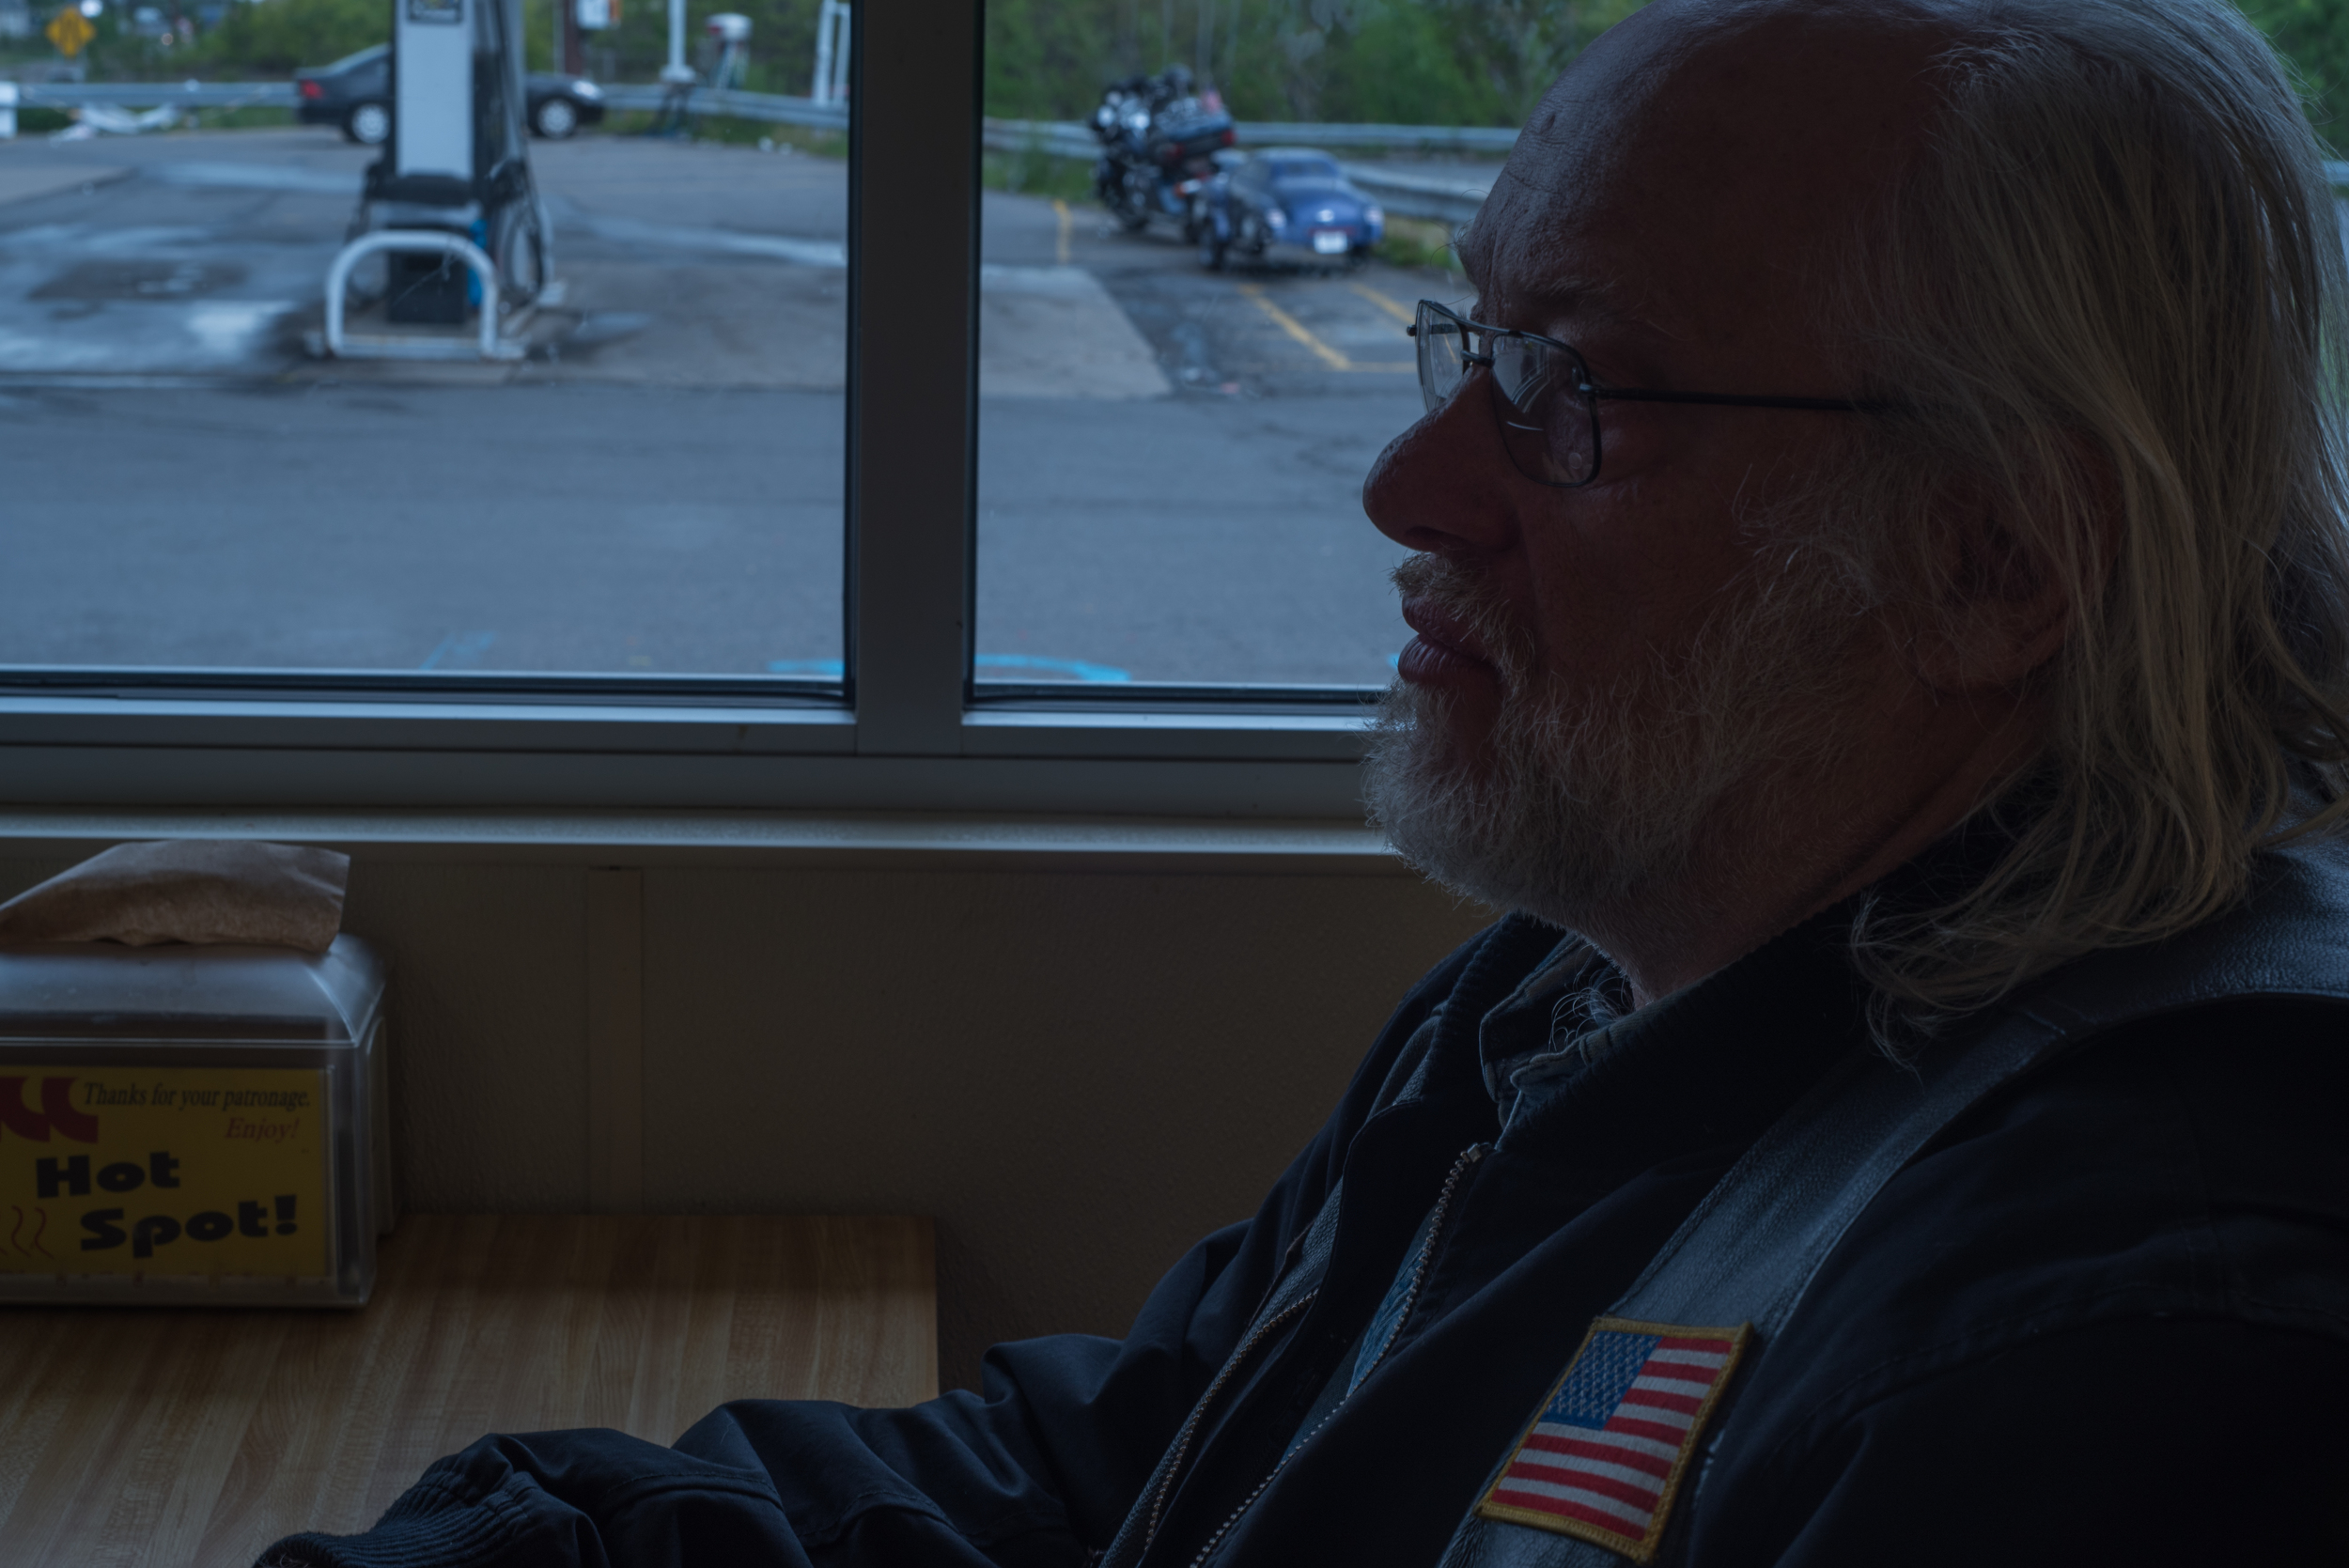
(450, 206)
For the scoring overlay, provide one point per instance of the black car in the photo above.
(558, 105)
(355, 93)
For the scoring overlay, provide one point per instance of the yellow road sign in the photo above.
(71, 31)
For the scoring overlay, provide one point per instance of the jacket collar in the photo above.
(1753, 1035)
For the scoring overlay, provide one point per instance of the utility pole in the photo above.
(677, 73)
(832, 54)
(819, 90)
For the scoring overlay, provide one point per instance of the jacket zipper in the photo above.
(1469, 1156)
(1199, 1413)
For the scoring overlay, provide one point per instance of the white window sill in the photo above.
(736, 838)
(147, 750)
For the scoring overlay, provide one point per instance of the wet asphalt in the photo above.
(658, 488)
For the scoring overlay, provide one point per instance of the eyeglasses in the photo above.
(1544, 396)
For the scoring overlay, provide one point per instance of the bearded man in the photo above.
(1882, 631)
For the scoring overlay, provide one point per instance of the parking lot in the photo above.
(1169, 464)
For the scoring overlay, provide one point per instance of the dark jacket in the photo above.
(2102, 1316)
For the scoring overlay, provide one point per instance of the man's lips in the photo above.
(1445, 649)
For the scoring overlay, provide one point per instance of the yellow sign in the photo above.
(166, 1171)
(71, 31)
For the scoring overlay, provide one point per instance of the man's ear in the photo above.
(2002, 598)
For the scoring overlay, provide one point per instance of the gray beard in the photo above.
(1586, 801)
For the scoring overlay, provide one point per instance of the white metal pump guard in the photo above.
(385, 345)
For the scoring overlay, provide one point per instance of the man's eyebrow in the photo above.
(1601, 299)
(1597, 301)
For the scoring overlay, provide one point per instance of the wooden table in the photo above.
(197, 1437)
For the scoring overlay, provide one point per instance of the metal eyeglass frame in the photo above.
(1590, 391)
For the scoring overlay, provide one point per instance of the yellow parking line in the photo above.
(1393, 307)
(1296, 329)
(1067, 221)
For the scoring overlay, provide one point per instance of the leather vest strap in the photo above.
(1751, 1248)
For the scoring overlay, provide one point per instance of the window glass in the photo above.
(1192, 317)
(1188, 363)
(643, 478)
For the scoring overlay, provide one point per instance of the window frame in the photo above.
(907, 729)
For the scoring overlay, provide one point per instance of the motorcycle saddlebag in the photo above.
(1196, 135)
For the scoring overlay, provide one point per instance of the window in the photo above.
(1190, 354)
(617, 573)
(644, 481)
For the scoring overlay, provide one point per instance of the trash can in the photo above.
(193, 1124)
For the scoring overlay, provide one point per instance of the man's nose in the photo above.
(1445, 485)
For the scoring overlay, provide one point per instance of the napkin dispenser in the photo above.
(193, 1124)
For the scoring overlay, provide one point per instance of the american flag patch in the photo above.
(1604, 1458)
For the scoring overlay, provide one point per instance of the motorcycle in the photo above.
(1159, 139)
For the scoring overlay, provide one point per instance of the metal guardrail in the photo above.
(1059, 138)
(149, 95)
(1415, 138)
(1068, 139)
(774, 108)
(1451, 201)
(1444, 199)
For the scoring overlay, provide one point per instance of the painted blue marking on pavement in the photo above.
(1076, 667)
(458, 650)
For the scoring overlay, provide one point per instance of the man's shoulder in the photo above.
(2177, 1159)
(2184, 1166)
(2120, 1256)
(2287, 937)
(2176, 1155)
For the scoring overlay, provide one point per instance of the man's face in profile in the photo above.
(1611, 679)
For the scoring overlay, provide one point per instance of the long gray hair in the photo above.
(2112, 281)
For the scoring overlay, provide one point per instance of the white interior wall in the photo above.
(1076, 1063)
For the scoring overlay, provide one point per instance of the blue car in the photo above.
(1286, 204)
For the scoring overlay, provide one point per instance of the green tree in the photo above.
(1435, 62)
(1049, 59)
(1401, 65)
(272, 36)
(269, 37)
(1410, 62)
(2313, 35)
